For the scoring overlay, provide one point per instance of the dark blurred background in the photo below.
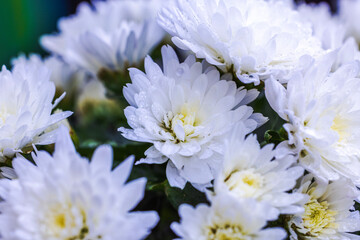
(332, 3)
(22, 22)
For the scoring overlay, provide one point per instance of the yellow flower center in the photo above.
(340, 126)
(66, 222)
(60, 221)
(318, 216)
(226, 232)
(186, 120)
(245, 183)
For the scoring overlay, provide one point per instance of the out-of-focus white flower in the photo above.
(254, 38)
(26, 103)
(94, 92)
(110, 34)
(347, 53)
(329, 29)
(185, 111)
(329, 211)
(252, 172)
(66, 197)
(349, 11)
(7, 172)
(66, 78)
(227, 218)
(323, 113)
(83, 88)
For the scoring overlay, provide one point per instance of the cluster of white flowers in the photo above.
(197, 112)
(311, 75)
(64, 196)
(252, 38)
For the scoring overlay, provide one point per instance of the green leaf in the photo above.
(187, 195)
(114, 82)
(275, 137)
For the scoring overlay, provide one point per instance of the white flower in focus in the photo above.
(323, 113)
(66, 197)
(329, 211)
(252, 172)
(227, 218)
(329, 29)
(185, 111)
(253, 38)
(26, 105)
(111, 35)
(63, 122)
(349, 11)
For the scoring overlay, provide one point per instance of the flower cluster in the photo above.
(246, 124)
(252, 38)
(66, 197)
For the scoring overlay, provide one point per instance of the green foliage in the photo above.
(187, 195)
(275, 137)
(114, 81)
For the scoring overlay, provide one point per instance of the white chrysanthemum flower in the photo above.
(252, 172)
(66, 197)
(349, 11)
(55, 126)
(329, 211)
(26, 104)
(94, 92)
(66, 78)
(329, 29)
(185, 111)
(323, 113)
(254, 38)
(84, 88)
(347, 53)
(111, 35)
(227, 218)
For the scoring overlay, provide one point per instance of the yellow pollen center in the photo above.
(65, 221)
(187, 120)
(340, 126)
(183, 124)
(318, 216)
(226, 232)
(245, 183)
(60, 221)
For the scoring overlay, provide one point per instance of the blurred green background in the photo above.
(22, 22)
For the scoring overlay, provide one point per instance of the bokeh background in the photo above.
(22, 22)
